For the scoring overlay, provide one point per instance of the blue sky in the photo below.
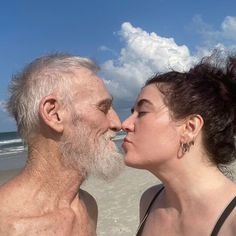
(130, 39)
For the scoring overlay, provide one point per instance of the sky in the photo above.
(130, 39)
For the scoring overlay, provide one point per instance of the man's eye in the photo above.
(104, 109)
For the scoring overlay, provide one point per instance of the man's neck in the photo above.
(48, 181)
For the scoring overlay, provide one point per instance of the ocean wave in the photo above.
(10, 141)
(12, 150)
(16, 145)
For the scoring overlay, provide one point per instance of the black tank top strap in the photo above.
(223, 217)
(142, 223)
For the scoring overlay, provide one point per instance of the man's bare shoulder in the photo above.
(60, 222)
(146, 199)
(9, 196)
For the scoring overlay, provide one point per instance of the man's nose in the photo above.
(115, 123)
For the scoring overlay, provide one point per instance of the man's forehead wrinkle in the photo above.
(89, 85)
(85, 77)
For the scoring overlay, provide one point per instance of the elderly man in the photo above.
(64, 113)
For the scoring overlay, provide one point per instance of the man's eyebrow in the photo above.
(105, 102)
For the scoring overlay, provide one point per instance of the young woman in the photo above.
(182, 130)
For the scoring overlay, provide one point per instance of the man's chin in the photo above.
(110, 169)
(110, 176)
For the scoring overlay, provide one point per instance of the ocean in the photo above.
(13, 151)
(10, 142)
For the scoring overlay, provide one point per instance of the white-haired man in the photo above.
(64, 113)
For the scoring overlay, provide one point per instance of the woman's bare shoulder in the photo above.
(146, 199)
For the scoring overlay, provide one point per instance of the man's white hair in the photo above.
(44, 76)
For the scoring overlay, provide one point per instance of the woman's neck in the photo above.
(187, 183)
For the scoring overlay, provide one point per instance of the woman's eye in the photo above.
(141, 113)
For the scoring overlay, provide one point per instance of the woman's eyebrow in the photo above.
(143, 102)
(140, 103)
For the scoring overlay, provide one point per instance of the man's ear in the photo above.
(191, 128)
(50, 112)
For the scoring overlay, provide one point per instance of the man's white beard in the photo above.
(90, 156)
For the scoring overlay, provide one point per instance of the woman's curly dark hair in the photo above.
(207, 89)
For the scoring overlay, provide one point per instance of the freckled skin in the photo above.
(46, 197)
(65, 221)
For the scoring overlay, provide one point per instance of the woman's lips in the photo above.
(127, 140)
(125, 143)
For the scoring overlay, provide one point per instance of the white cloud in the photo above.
(223, 38)
(229, 28)
(144, 54)
(107, 49)
(3, 105)
(224, 35)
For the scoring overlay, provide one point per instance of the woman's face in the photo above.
(152, 136)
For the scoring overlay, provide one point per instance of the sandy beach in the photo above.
(118, 200)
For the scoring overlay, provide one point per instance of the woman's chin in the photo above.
(132, 163)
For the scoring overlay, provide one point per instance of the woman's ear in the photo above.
(191, 127)
(50, 111)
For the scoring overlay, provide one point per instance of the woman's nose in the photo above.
(128, 124)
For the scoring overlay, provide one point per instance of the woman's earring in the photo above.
(185, 147)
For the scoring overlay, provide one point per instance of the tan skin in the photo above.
(196, 192)
(45, 198)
